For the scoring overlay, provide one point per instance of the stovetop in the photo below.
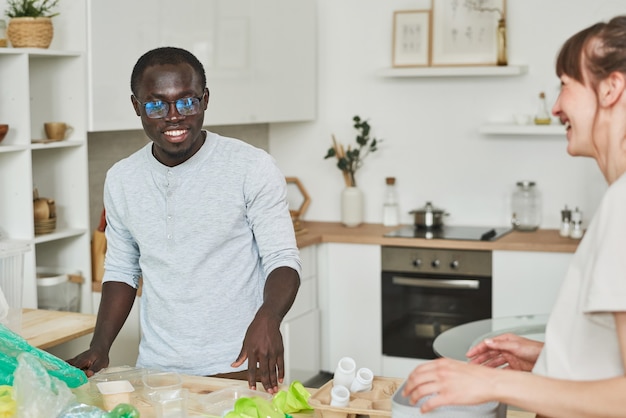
(464, 233)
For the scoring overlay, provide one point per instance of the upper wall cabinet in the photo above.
(259, 56)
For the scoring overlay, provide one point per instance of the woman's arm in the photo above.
(458, 383)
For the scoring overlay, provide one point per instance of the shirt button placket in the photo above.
(169, 204)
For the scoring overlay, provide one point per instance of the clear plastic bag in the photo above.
(37, 393)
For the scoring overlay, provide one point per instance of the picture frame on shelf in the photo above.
(466, 33)
(411, 38)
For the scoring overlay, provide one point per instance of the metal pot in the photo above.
(428, 216)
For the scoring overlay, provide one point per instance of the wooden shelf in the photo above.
(512, 129)
(456, 71)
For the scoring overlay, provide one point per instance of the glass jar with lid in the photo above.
(526, 206)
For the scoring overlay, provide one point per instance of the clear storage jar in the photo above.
(526, 206)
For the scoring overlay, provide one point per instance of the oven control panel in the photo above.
(436, 261)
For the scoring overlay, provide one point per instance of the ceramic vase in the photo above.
(351, 207)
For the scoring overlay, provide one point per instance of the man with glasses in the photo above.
(204, 221)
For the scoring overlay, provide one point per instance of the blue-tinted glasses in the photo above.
(157, 109)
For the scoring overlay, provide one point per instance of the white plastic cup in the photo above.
(115, 392)
(339, 396)
(345, 372)
(362, 381)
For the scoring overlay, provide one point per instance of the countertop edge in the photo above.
(542, 240)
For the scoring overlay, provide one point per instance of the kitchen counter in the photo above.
(542, 240)
(198, 386)
(44, 329)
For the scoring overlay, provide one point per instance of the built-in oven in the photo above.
(426, 291)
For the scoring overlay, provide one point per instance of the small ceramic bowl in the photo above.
(4, 128)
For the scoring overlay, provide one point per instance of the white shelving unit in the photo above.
(38, 86)
(530, 130)
(455, 71)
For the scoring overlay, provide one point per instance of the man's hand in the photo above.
(90, 361)
(263, 347)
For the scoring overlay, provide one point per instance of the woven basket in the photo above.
(30, 32)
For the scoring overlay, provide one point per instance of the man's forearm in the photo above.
(280, 291)
(115, 305)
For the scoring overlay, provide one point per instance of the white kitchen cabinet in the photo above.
(259, 57)
(302, 349)
(350, 302)
(301, 325)
(527, 283)
(42, 85)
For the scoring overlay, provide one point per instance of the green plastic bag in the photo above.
(12, 345)
(295, 399)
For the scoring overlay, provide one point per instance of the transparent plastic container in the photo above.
(222, 401)
(58, 290)
(12, 283)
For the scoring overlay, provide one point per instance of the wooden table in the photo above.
(199, 386)
(44, 329)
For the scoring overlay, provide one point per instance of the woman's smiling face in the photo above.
(576, 107)
(175, 137)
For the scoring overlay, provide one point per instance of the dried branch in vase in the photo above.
(350, 160)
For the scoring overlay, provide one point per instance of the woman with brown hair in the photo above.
(580, 370)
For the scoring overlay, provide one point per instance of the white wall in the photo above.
(430, 125)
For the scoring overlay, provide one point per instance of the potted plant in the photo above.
(349, 161)
(30, 25)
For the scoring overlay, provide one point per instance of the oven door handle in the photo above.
(437, 283)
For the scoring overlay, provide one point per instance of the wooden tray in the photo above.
(375, 403)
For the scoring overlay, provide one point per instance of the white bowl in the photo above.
(401, 408)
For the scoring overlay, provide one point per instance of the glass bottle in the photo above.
(566, 219)
(390, 206)
(501, 36)
(526, 206)
(542, 117)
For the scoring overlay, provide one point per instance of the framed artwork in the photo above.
(465, 31)
(411, 38)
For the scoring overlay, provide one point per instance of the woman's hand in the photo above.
(509, 350)
(449, 382)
